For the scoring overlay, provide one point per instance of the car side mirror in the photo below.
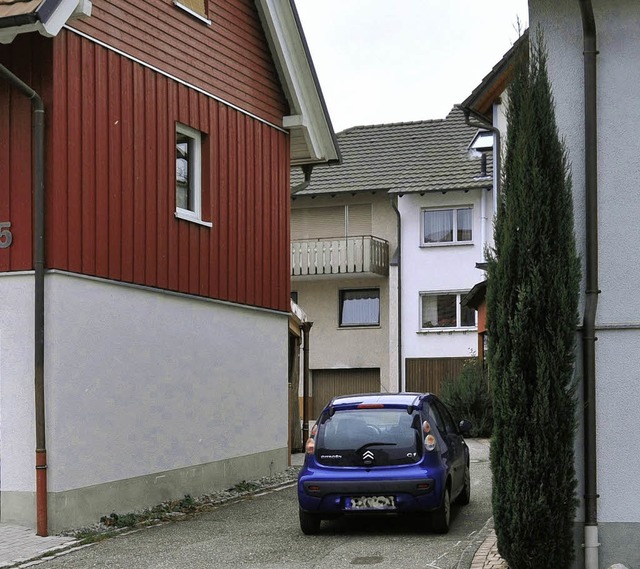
(464, 426)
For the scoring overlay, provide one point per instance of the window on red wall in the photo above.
(189, 174)
(196, 8)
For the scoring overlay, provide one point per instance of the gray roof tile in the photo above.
(407, 157)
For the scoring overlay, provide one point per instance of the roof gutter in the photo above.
(591, 295)
(37, 176)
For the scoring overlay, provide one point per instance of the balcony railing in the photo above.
(363, 254)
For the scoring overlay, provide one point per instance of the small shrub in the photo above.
(187, 504)
(468, 397)
(245, 486)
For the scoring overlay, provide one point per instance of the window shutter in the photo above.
(359, 220)
(317, 223)
(197, 6)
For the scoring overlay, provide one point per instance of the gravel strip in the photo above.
(179, 509)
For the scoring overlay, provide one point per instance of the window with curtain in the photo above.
(453, 225)
(360, 307)
(445, 311)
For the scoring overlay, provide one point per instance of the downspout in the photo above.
(37, 176)
(306, 331)
(394, 205)
(306, 169)
(591, 294)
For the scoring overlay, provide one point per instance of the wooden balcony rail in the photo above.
(362, 254)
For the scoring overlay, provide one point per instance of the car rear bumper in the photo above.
(321, 493)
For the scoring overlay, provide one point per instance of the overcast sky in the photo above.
(382, 61)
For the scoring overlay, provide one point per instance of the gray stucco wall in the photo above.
(140, 384)
(618, 321)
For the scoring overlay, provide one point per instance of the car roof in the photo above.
(396, 399)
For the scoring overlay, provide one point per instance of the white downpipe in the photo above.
(483, 221)
(591, 546)
(496, 150)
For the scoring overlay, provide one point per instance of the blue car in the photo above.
(384, 453)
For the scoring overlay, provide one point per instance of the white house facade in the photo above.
(436, 275)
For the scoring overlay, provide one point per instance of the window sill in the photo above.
(360, 327)
(447, 244)
(187, 216)
(192, 13)
(448, 330)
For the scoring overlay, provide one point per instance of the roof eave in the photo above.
(495, 82)
(313, 140)
(48, 19)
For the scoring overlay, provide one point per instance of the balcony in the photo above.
(351, 255)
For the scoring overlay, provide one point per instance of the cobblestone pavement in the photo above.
(487, 556)
(19, 544)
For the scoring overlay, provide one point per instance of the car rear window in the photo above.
(391, 434)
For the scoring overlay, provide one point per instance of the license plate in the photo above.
(370, 503)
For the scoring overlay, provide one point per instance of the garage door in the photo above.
(327, 383)
(427, 374)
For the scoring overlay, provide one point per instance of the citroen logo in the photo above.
(368, 455)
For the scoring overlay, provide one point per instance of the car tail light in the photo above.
(371, 406)
(310, 447)
(430, 443)
(426, 427)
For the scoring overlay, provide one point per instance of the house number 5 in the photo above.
(6, 237)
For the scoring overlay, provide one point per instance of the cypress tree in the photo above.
(532, 297)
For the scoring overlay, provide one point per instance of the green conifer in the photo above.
(532, 296)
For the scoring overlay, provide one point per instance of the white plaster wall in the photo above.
(138, 381)
(17, 427)
(617, 376)
(439, 269)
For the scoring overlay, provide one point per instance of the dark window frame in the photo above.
(342, 293)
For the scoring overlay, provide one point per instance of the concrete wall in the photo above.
(147, 391)
(439, 269)
(618, 321)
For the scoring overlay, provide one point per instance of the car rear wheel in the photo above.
(309, 523)
(465, 496)
(442, 516)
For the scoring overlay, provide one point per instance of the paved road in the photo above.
(263, 533)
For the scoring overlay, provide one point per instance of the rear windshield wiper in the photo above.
(375, 444)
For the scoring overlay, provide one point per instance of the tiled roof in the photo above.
(10, 8)
(402, 157)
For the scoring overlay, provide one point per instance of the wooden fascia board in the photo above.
(48, 19)
(307, 108)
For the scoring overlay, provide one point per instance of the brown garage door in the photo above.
(327, 383)
(427, 374)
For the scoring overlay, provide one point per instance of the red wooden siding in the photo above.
(28, 57)
(230, 58)
(111, 199)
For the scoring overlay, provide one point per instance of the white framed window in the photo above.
(359, 307)
(443, 310)
(447, 226)
(189, 174)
